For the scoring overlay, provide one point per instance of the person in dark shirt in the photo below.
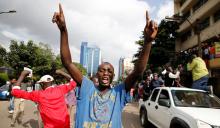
(146, 88)
(156, 82)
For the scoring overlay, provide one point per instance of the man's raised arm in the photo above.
(150, 32)
(24, 73)
(62, 73)
(64, 47)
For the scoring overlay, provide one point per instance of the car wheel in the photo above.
(143, 118)
(178, 123)
(178, 126)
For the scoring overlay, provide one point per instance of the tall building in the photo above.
(125, 67)
(90, 58)
(83, 54)
(200, 30)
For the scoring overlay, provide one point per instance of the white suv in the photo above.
(175, 107)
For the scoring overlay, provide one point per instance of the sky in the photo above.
(112, 25)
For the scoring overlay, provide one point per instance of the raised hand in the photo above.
(59, 18)
(59, 71)
(25, 72)
(150, 30)
(64, 74)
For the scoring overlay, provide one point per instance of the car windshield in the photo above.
(188, 98)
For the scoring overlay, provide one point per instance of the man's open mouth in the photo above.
(105, 80)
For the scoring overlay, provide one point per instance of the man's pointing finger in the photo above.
(60, 8)
(147, 16)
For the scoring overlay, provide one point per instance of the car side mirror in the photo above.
(164, 102)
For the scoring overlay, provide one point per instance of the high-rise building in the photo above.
(83, 54)
(90, 58)
(125, 67)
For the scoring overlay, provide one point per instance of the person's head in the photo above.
(155, 76)
(147, 80)
(45, 81)
(105, 74)
(180, 67)
(169, 69)
(13, 81)
(148, 72)
(191, 57)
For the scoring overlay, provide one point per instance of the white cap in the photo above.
(46, 78)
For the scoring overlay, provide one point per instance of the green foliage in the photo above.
(3, 78)
(166, 35)
(60, 79)
(163, 49)
(3, 56)
(140, 43)
(159, 56)
(38, 57)
(81, 68)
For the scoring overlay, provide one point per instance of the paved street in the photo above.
(130, 116)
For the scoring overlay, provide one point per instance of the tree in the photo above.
(39, 57)
(163, 49)
(81, 68)
(3, 56)
(60, 79)
(167, 35)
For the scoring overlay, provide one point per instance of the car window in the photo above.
(164, 97)
(164, 94)
(188, 98)
(154, 95)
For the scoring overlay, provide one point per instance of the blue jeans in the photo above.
(201, 83)
(11, 106)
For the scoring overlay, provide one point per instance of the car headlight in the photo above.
(215, 126)
(202, 124)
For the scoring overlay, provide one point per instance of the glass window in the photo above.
(164, 98)
(186, 15)
(186, 36)
(182, 2)
(164, 94)
(187, 98)
(217, 15)
(203, 24)
(154, 95)
(199, 4)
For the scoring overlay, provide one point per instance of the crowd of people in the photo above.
(196, 66)
(165, 78)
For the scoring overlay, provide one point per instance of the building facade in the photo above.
(206, 13)
(83, 54)
(125, 67)
(200, 30)
(90, 58)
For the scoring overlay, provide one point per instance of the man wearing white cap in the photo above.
(51, 100)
